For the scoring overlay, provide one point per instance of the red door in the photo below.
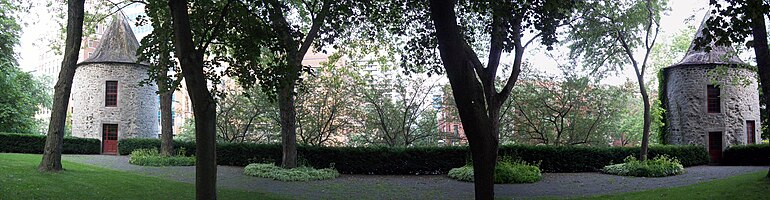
(715, 147)
(751, 137)
(110, 139)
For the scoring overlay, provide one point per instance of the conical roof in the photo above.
(721, 55)
(117, 45)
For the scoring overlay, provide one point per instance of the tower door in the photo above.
(110, 139)
(715, 147)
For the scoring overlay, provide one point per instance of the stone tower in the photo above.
(709, 105)
(108, 102)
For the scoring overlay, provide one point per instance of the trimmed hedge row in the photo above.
(29, 143)
(754, 154)
(427, 160)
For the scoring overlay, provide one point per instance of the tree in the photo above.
(324, 103)
(53, 145)
(394, 109)
(608, 33)
(157, 50)
(564, 110)
(496, 26)
(246, 116)
(190, 51)
(735, 22)
(270, 46)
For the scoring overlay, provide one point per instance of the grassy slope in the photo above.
(747, 186)
(19, 179)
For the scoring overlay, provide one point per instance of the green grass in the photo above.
(19, 179)
(747, 186)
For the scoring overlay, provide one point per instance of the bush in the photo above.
(295, 174)
(151, 157)
(591, 159)
(427, 160)
(127, 146)
(754, 154)
(505, 172)
(29, 143)
(659, 166)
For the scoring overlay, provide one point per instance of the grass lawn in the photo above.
(19, 179)
(747, 186)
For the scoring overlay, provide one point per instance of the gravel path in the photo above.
(425, 186)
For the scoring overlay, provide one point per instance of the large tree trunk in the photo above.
(479, 127)
(53, 143)
(647, 121)
(288, 116)
(759, 32)
(204, 106)
(166, 125)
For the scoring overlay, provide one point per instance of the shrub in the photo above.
(151, 157)
(659, 166)
(591, 159)
(427, 160)
(127, 146)
(506, 171)
(30, 143)
(295, 174)
(754, 154)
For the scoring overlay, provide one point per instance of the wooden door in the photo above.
(715, 147)
(110, 139)
(750, 133)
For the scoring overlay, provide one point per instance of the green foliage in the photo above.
(9, 33)
(566, 110)
(245, 116)
(660, 106)
(506, 171)
(151, 157)
(591, 159)
(516, 172)
(394, 105)
(427, 160)
(29, 143)
(753, 154)
(294, 174)
(659, 166)
(23, 95)
(126, 146)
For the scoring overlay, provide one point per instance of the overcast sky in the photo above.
(41, 26)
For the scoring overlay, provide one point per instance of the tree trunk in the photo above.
(166, 126)
(647, 121)
(53, 143)
(288, 125)
(479, 127)
(204, 106)
(759, 32)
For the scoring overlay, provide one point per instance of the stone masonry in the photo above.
(114, 59)
(137, 110)
(688, 120)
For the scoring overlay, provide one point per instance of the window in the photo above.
(750, 132)
(111, 94)
(712, 99)
(110, 131)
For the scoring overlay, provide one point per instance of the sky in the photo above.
(41, 25)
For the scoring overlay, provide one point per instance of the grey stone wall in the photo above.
(687, 116)
(137, 110)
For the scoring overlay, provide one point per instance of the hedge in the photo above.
(754, 154)
(428, 160)
(32, 143)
